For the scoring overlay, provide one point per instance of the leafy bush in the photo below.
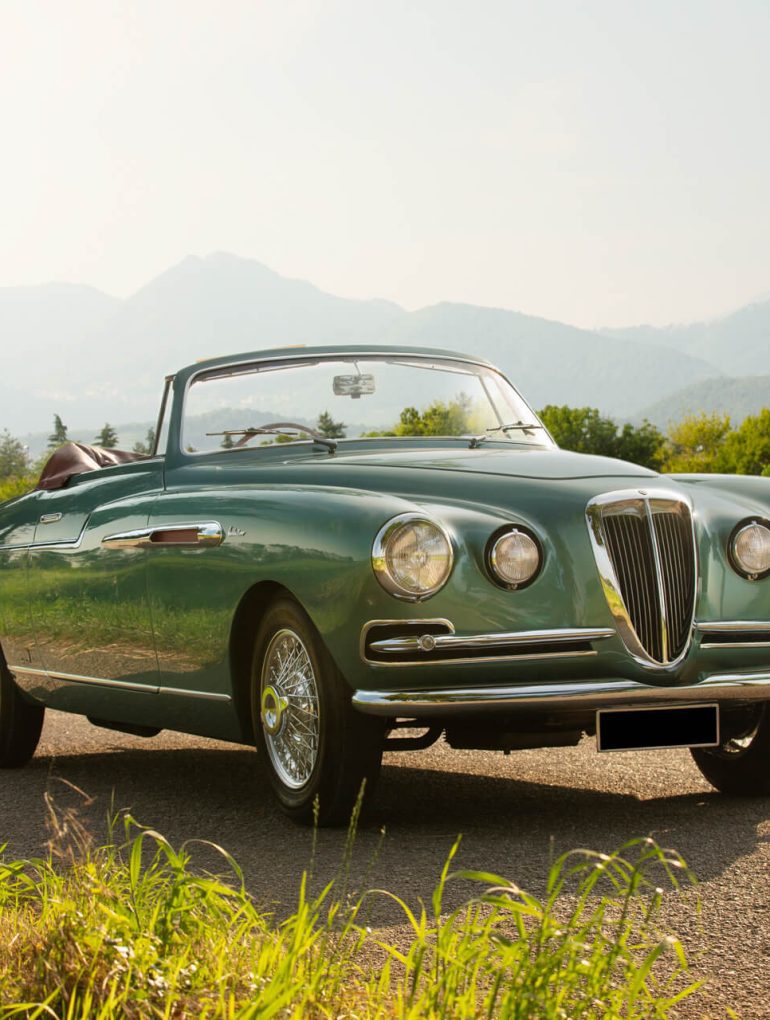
(17, 485)
(585, 430)
(135, 931)
(695, 443)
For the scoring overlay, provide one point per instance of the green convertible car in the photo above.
(335, 552)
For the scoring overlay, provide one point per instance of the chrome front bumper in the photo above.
(589, 695)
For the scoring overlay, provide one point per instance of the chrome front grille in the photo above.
(645, 550)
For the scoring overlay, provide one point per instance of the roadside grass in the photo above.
(132, 929)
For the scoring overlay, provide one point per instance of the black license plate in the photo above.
(647, 729)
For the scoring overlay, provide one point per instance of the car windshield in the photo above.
(350, 398)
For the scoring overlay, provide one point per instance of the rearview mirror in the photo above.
(354, 386)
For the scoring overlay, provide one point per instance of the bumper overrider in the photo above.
(385, 643)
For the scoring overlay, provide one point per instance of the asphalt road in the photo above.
(515, 813)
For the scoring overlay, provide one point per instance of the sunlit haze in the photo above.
(597, 163)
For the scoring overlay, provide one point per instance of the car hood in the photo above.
(521, 462)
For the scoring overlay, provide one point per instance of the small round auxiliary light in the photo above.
(750, 549)
(514, 558)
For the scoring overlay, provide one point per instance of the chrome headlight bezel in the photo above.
(387, 534)
(735, 562)
(492, 551)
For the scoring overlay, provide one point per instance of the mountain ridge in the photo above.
(739, 339)
(76, 348)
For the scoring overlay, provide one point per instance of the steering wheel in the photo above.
(279, 426)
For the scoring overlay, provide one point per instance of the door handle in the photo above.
(207, 533)
(50, 518)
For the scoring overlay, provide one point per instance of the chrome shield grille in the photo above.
(645, 550)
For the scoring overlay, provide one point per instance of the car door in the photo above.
(190, 581)
(87, 580)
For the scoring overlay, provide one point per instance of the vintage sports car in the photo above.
(335, 552)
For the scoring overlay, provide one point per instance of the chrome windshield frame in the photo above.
(278, 360)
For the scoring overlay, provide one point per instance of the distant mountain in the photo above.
(223, 304)
(550, 362)
(739, 342)
(736, 397)
(93, 358)
(50, 338)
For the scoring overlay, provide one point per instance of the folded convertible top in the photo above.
(76, 458)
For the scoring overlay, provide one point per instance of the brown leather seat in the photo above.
(76, 458)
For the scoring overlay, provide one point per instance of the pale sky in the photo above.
(600, 162)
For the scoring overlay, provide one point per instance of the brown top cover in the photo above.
(75, 458)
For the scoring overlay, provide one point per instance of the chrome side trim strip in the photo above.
(204, 695)
(511, 639)
(78, 679)
(125, 685)
(589, 695)
(207, 533)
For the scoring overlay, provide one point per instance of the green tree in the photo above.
(108, 437)
(582, 429)
(695, 443)
(14, 458)
(746, 450)
(59, 434)
(642, 444)
(147, 446)
(437, 419)
(330, 428)
(586, 430)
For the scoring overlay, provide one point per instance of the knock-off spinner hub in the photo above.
(271, 710)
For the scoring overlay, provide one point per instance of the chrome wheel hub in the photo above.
(273, 707)
(289, 709)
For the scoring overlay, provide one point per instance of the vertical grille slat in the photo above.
(678, 574)
(650, 546)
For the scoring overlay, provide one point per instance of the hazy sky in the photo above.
(599, 162)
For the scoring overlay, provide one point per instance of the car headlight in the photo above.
(412, 557)
(750, 549)
(514, 557)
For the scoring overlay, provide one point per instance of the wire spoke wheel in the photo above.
(314, 748)
(289, 708)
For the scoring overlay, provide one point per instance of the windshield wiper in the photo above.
(277, 428)
(524, 427)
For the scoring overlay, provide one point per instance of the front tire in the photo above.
(311, 741)
(741, 765)
(20, 723)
